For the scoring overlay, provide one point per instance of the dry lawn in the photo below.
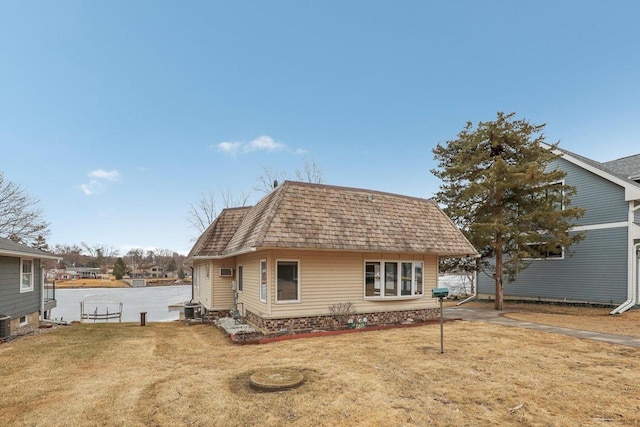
(171, 374)
(585, 318)
(91, 283)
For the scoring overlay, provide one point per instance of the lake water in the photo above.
(153, 300)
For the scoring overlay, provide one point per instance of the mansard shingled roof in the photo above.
(215, 238)
(313, 216)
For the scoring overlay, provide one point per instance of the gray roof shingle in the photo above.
(628, 167)
(9, 247)
(314, 216)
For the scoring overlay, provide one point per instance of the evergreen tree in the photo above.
(181, 273)
(119, 269)
(500, 186)
(40, 243)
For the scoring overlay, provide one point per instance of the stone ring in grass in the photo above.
(276, 379)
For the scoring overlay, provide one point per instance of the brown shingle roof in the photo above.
(215, 238)
(313, 216)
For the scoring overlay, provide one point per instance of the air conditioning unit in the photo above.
(226, 272)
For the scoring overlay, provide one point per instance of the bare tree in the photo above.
(310, 172)
(268, 180)
(20, 214)
(231, 200)
(204, 213)
(134, 258)
(71, 255)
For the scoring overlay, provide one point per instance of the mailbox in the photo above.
(440, 292)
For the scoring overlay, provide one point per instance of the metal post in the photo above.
(143, 318)
(441, 327)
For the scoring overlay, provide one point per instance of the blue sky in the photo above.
(117, 115)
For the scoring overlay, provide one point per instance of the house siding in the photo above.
(12, 302)
(204, 294)
(603, 200)
(221, 288)
(250, 295)
(594, 271)
(326, 278)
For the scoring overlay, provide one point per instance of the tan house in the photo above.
(305, 247)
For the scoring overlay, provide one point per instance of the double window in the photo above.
(287, 284)
(393, 279)
(26, 276)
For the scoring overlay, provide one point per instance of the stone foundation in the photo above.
(328, 322)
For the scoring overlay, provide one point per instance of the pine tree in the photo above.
(40, 243)
(500, 186)
(119, 269)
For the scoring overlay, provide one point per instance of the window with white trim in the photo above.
(240, 278)
(207, 271)
(263, 280)
(287, 283)
(26, 275)
(546, 251)
(393, 279)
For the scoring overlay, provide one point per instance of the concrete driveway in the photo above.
(474, 314)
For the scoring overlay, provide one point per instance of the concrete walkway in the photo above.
(474, 314)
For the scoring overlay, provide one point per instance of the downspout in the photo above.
(475, 285)
(632, 285)
(192, 284)
(475, 289)
(42, 316)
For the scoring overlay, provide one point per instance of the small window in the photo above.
(26, 276)
(239, 278)
(546, 251)
(287, 285)
(207, 271)
(263, 280)
(23, 320)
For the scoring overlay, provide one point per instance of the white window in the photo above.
(546, 251)
(263, 280)
(393, 279)
(26, 276)
(23, 321)
(239, 278)
(287, 283)
(207, 270)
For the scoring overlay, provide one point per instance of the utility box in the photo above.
(5, 326)
(440, 292)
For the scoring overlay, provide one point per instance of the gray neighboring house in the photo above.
(22, 294)
(603, 268)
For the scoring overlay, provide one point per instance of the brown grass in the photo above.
(91, 283)
(174, 374)
(575, 317)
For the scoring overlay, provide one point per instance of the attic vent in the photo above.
(226, 272)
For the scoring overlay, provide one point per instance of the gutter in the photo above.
(227, 255)
(634, 254)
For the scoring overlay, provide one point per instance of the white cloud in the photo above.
(229, 147)
(113, 175)
(301, 151)
(97, 182)
(261, 143)
(92, 187)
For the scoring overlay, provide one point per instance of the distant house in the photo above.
(603, 268)
(22, 293)
(82, 273)
(304, 248)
